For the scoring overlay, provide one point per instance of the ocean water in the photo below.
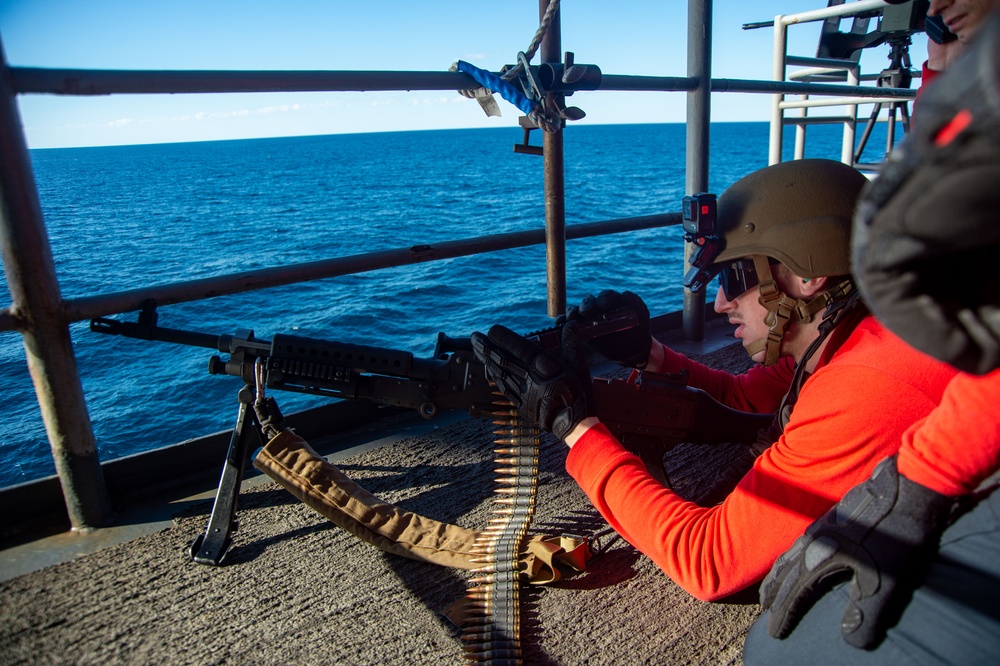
(125, 217)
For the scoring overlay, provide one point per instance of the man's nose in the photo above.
(721, 304)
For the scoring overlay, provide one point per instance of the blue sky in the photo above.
(629, 37)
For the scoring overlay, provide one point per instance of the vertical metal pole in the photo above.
(850, 126)
(699, 111)
(778, 74)
(37, 306)
(890, 131)
(555, 190)
(800, 132)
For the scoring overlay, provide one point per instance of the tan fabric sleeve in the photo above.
(319, 484)
(289, 460)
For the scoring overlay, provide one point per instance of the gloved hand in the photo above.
(882, 534)
(629, 348)
(554, 392)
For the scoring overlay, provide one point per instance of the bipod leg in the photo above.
(212, 546)
(866, 134)
(890, 130)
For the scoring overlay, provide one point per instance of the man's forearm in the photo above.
(656, 356)
(580, 430)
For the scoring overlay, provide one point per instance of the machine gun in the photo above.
(648, 416)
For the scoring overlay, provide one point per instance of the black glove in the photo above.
(883, 535)
(629, 348)
(554, 392)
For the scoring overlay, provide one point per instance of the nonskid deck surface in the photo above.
(296, 589)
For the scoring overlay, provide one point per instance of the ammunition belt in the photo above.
(492, 629)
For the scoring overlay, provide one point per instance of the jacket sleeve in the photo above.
(838, 431)
(759, 389)
(958, 445)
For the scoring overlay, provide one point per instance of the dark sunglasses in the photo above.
(737, 277)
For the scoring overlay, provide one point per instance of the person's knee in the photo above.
(758, 644)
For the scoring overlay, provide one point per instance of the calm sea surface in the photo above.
(125, 217)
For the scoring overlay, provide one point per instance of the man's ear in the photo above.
(811, 286)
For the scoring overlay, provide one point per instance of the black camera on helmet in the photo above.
(700, 221)
(699, 215)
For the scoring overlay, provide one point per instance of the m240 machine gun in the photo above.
(649, 416)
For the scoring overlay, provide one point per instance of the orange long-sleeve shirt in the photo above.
(850, 414)
(958, 445)
(759, 389)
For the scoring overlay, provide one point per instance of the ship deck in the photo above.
(297, 589)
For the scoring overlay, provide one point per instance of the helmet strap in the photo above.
(782, 309)
(840, 307)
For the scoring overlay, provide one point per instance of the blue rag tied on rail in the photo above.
(494, 83)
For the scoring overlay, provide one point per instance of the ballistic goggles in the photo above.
(737, 277)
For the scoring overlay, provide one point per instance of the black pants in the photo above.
(953, 618)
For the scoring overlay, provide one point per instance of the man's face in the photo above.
(747, 314)
(745, 311)
(963, 17)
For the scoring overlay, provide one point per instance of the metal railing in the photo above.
(852, 94)
(42, 316)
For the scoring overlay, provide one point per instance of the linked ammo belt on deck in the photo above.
(492, 630)
(500, 555)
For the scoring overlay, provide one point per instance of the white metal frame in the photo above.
(779, 72)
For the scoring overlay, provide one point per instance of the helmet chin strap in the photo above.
(782, 310)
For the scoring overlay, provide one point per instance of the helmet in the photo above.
(797, 212)
(927, 233)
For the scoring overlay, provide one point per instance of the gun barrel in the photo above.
(132, 330)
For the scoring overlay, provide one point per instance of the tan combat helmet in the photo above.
(798, 213)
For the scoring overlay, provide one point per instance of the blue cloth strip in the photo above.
(493, 82)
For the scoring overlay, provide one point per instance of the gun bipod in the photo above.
(212, 546)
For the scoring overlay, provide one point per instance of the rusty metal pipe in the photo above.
(96, 82)
(698, 115)
(555, 188)
(37, 309)
(110, 81)
(88, 307)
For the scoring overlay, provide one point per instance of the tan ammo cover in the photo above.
(290, 461)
